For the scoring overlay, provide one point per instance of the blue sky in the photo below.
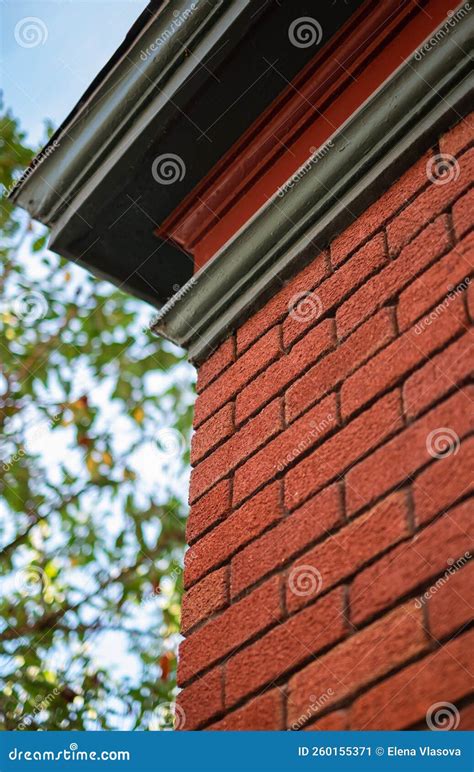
(74, 39)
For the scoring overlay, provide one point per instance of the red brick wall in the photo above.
(333, 460)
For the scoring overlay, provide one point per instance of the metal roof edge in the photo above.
(81, 146)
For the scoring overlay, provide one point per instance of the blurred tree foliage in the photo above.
(95, 419)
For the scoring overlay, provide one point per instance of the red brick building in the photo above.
(310, 242)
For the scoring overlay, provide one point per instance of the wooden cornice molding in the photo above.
(275, 146)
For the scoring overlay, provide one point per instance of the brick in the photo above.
(463, 219)
(201, 701)
(411, 564)
(407, 697)
(234, 532)
(359, 660)
(348, 550)
(339, 452)
(227, 385)
(286, 646)
(244, 442)
(402, 456)
(428, 204)
(265, 712)
(277, 455)
(331, 371)
(470, 301)
(329, 294)
(458, 137)
(439, 284)
(439, 375)
(450, 607)
(431, 243)
(215, 363)
(315, 518)
(307, 351)
(232, 628)
(205, 598)
(334, 722)
(401, 356)
(277, 307)
(211, 433)
(443, 483)
(382, 210)
(466, 723)
(208, 511)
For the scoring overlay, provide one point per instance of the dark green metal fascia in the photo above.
(386, 135)
(124, 102)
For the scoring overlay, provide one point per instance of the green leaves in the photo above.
(91, 499)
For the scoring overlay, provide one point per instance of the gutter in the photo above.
(119, 103)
